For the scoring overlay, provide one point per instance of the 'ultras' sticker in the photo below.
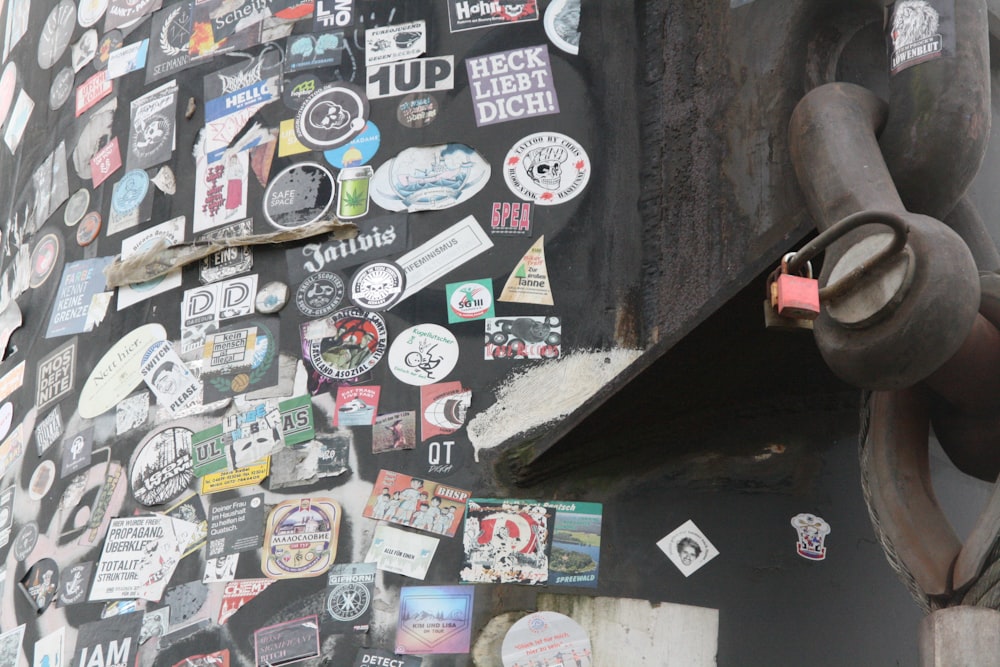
(547, 168)
(301, 538)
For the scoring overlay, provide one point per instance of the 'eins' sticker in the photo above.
(547, 168)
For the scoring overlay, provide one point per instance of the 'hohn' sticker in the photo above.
(547, 168)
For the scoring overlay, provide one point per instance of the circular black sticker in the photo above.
(377, 285)
(43, 259)
(25, 541)
(297, 90)
(299, 195)
(319, 294)
(331, 116)
(56, 33)
(417, 110)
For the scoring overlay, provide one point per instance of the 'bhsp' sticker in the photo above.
(547, 168)
(812, 531)
(411, 76)
(423, 354)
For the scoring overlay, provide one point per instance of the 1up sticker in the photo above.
(411, 76)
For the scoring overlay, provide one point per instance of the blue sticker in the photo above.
(130, 191)
(358, 151)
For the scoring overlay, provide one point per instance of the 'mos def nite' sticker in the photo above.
(301, 538)
(423, 354)
(547, 168)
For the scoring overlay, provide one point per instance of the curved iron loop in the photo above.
(900, 231)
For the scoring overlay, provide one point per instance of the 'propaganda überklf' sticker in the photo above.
(301, 538)
(812, 532)
(428, 178)
(348, 343)
(688, 548)
(331, 116)
(299, 195)
(423, 354)
(547, 168)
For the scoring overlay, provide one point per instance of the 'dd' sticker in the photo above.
(688, 548)
(402, 41)
(161, 471)
(299, 195)
(204, 308)
(443, 407)
(356, 405)
(547, 168)
(469, 300)
(470, 14)
(423, 354)
(511, 85)
(434, 619)
(812, 532)
(430, 178)
(529, 282)
(301, 538)
(331, 116)
(562, 25)
(394, 431)
(529, 337)
(420, 75)
(346, 344)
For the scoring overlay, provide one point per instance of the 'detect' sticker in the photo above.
(423, 354)
(812, 531)
(688, 548)
(301, 538)
(547, 168)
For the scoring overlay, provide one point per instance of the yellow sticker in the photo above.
(288, 143)
(529, 282)
(233, 479)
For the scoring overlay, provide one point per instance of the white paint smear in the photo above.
(545, 393)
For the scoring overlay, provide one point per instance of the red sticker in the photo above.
(105, 162)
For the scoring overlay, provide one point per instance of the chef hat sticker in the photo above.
(812, 532)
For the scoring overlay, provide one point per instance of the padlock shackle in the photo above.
(900, 231)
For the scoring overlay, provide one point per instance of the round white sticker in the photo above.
(547, 168)
(423, 354)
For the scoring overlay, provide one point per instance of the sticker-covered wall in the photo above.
(262, 261)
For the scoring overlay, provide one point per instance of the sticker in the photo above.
(174, 386)
(562, 25)
(546, 637)
(295, 91)
(170, 35)
(17, 25)
(547, 168)
(161, 470)
(12, 380)
(152, 139)
(688, 548)
(112, 41)
(299, 195)
(77, 452)
(506, 541)
(8, 86)
(346, 344)
(470, 300)
(203, 43)
(12, 448)
(95, 135)
(430, 178)
(287, 642)
(92, 91)
(139, 557)
(511, 85)
(127, 59)
(288, 143)
(419, 75)
(90, 12)
(356, 405)
(204, 308)
(6, 418)
(394, 431)
(319, 294)
(240, 440)
(434, 619)
(377, 656)
(529, 281)
(327, 456)
(131, 412)
(444, 457)
(417, 110)
(90, 227)
(105, 162)
(812, 532)
(423, 354)
(532, 337)
(123, 13)
(40, 583)
(228, 480)
(74, 584)
(49, 649)
(358, 151)
(301, 538)
(47, 431)
(297, 424)
(18, 121)
(220, 191)
(117, 373)
(6, 517)
(576, 543)
(331, 116)
(377, 237)
(230, 261)
(401, 41)
(402, 552)
(131, 190)
(262, 372)
(271, 298)
(237, 593)
(81, 282)
(25, 541)
(234, 94)
(441, 254)
(42, 480)
(10, 643)
(314, 50)
(350, 591)
(443, 407)
(84, 50)
(170, 233)
(234, 526)
(155, 623)
(333, 14)
(62, 86)
(354, 192)
(56, 375)
(377, 285)
(76, 207)
(418, 503)
(918, 31)
(56, 33)
(44, 258)
(470, 14)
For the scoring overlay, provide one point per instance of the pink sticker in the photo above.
(105, 162)
(92, 91)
